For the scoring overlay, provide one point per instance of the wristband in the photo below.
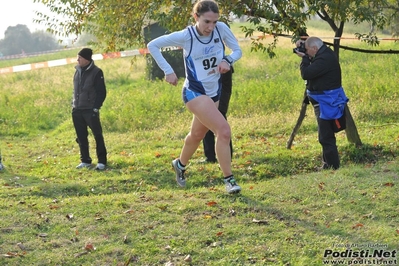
(224, 60)
(227, 60)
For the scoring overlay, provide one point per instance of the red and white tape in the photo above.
(66, 61)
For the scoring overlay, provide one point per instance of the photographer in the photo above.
(321, 70)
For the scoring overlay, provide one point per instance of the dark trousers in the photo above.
(327, 140)
(82, 119)
(209, 139)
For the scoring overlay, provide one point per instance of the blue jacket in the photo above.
(331, 102)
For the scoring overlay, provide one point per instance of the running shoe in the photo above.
(231, 185)
(181, 180)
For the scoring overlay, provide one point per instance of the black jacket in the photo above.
(89, 87)
(323, 71)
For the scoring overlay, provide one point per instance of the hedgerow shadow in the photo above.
(366, 154)
(289, 163)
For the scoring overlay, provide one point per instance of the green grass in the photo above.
(134, 213)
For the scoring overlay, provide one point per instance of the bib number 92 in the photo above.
(209, 63)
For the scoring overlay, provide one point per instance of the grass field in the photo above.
(134, 213)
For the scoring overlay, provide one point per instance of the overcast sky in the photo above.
(20, 12)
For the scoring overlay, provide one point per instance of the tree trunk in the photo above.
(351, 131)
(298, 124)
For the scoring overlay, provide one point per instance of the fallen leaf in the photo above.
(388, 184)
(157, 155)
(11, 255)
(89, 247)
(321, 185)
(163, 207)
(219, 233)
(131, 259)
(260, 221)
(369, 215)
(81, 254)
(129, 211)
(188, 258)
(357, 225)
(22, 247)
(328, 225)
(211, 203)
(216, 244)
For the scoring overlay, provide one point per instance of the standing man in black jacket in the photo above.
(88, 97)
(321, 70)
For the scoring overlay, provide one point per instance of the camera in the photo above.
(300, 49)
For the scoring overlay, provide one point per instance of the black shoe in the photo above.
(326, 167)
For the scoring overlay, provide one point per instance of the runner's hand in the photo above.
(171, 79)
(223, 67)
